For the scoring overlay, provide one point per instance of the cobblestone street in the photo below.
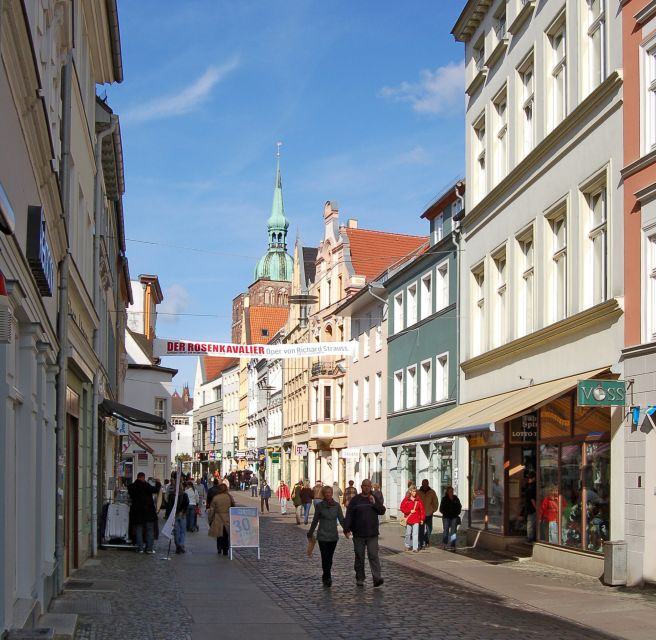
(199, 595)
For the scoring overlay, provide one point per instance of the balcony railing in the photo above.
(323, 368)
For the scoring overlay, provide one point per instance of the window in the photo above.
(412, 305)
(525, 298)
(217, 393)
(356, 400)
(558, 284)
(500, 23)
(596, 43)
(442, 377)
(379, 334)
(339, 402)
(327, 402)
(378, 394)
(365, 399)
(328, 292)
(160, 406)
(441, 225)
(558, 71)
(596, 272)
(398, 312)
(442, 286)
(649, 118)
(426, 296)
(500, 136)
(500, 320)
(365, 338)
(426, 383)
(479, 172)
(398, 390)
(478, 299)
(527, 106)
(411, 387)
(478, 51)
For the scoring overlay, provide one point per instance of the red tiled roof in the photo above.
(372, 252)
(267, 320)
(214, 366)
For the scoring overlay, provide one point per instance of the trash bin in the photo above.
(615, 562)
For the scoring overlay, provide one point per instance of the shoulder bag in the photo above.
(404, 520)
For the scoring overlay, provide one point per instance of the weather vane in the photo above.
(278, 145)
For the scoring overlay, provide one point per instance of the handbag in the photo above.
(310, 546)
(404, 520)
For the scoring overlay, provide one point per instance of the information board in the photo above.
(244, 529)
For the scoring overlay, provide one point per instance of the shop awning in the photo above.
(131, 415)
(140, 442)
(482, 415)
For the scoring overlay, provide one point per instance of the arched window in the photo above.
(282, 297)
(269, 296)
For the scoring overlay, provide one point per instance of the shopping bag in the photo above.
(311, 543)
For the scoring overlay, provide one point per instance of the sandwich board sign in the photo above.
(244, 529)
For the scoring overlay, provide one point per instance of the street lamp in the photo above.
(303, 300)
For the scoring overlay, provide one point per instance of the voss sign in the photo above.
(601, 393)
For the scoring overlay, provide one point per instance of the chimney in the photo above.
(352, 223)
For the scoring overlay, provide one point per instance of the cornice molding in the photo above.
(550, 143)
(604, 312)
(641, 163)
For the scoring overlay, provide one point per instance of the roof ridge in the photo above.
(387, 233)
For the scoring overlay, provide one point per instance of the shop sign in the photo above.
(251, 455)
(350, 453)
(240, 455)
(601, 393)
(38, 251)
(122, 427)
(212, 455)
(524, 429)
(275, 457)
(301, 450)
(212, 429)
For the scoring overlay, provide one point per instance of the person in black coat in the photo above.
(450, 509)
(142, 511)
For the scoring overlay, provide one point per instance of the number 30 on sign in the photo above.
(244, 529)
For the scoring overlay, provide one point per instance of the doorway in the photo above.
(71, 527)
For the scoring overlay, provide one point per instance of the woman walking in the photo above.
(306, 499)
(179, 530)
(265, 494)
(326, 514)
(219, 520)
(282, 492)
(450, 509)
(413, 510)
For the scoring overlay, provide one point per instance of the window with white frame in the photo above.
(478, 51)
(596, 268)
(378, 339)
(438, 227)
(525, 303)
(366, 339)
(398, 312)
(500, 136)
(425, 383)
(500, 331)
(442, 377)
(426, 303)
(378, 394)
(557, 82)
(355, 400)
(650, 315)
(649, 95)
(558, 266)
(412, 305)
(479, 342)
(398, 390)
(160, 407)
(442, 286)
(479, 172)
(500, 23)
(411, 387)
(527, 105)
(595, 43)
(365, 399)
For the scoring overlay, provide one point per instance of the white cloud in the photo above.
(176, 301)
(438, 92)
(417, 155)
(185, 100)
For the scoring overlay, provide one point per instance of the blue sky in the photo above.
(366, 96)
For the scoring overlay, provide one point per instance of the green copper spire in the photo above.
(277, 264)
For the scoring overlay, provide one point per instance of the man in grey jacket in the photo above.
(362, 522)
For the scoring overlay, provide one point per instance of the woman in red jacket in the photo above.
(283, 495)
(413, 510)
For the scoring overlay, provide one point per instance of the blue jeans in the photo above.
(426, 530)
(412, 536)
(306, 511)
(191, 517)
(179, 530)
(150, 535)
(449, 536)
(253, 491)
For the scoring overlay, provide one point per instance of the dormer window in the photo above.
(265, 333)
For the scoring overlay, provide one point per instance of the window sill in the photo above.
(497, 52)
(606, 311)
(522, 16)
(637, 165)
(477, 81)
(435, 405)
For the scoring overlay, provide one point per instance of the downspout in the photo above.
(62, 325)
(98, 206)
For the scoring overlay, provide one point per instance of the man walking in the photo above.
(429, 499)
(214, 490)
(349, 493)
(254, 482)
(265, 494)
(142, 511)
(362, 522)
(296, 500)
(282, 492)
(317, 496)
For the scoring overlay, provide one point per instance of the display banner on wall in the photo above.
(163, 347)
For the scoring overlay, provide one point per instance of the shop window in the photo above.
(495, 490)
(477, 488)
(596, 487)
(556, 418)
(591, 421)
(570, 495)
